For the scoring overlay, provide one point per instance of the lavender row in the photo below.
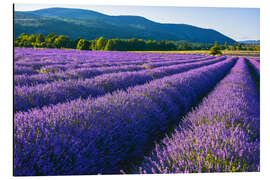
(255, 59)
(52, 68)
(105, 63)
(62, 60)
(221, 135)
(23, 70)
(82, 73)
(255, 67)
(51, 93)
(68, 56)
(147, 64)
(53, 73)
(103, 135)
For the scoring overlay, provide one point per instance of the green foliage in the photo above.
(83, 45)
(40, 41)
(53, 40)
(239, 47)
(225, 45)
(40, 38)
(216, 49)
(186, 46)
(62, 42)
(257, 48)
(136, 45)
(232, 48)
(101, 43)
(109, 45)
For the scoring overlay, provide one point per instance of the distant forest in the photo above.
(62, 41)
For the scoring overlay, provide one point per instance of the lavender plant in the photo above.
(221, 135)
(103, 135)
(60, 91)
(50, 73)
(255, 65)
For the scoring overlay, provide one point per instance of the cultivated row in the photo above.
(29, 57)
(60, 91)
(221, 135)
(87, 72)
(65, 63)
(102, 135)
(255, 67)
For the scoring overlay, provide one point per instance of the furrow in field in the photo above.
(23, 70)
(27, 97)
(82, 73)
(221, 135)
(255, 67)
(69, 63)
(102, 135)
(50, 57)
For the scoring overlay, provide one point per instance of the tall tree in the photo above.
(186, 46)
(226, 45)
(215, 50)
(101, 43)
(83, 45)
(216, 43)
(62, 42)
(40, 38)
(110, 45)
(239, 47)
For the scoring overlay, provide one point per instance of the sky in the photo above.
(238, 23)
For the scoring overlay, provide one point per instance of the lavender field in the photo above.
(102, 112)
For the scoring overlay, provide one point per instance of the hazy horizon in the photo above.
(239, 24)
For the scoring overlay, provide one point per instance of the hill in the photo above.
(87, 24)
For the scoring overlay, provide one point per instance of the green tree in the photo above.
(226, 45)
(257, 48)
(232, 48)
(239, 47)
(186, 46)
(216, 43)
(109, 45)
(40, 38)
(50, 39)
(40, 41)
(62, 42)
(215, 50)
(151, 45)
(101, 43)
(83, 45)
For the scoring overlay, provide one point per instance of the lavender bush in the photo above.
(50, 73)
(51, 93)
(255, 65)
(100, 112)
(103, 135)
(221, 135)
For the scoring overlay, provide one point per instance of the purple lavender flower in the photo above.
(221, 135)
(104, 134)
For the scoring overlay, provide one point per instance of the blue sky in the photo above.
(237, 23)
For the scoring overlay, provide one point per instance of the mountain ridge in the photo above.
(88, 24)
(250, 42)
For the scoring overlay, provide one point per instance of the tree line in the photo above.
(61, 41)
(216, 49)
